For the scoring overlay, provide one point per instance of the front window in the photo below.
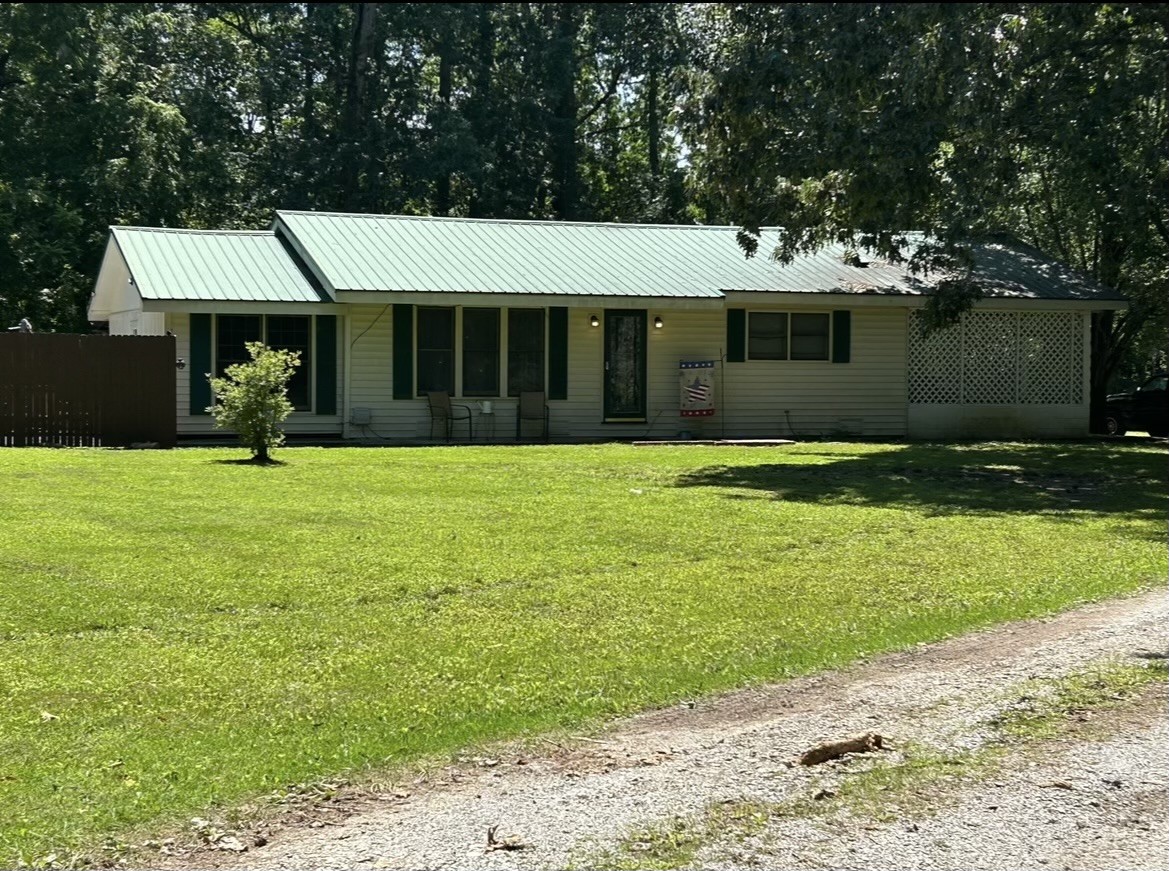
(293, 333)
(436, 350)
(525, 350)
(809, 340)
(281, 332)
(233, 332)
(767, 336)
(788, 336)
(480, 352)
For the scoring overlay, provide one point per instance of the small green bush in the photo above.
(252, 398)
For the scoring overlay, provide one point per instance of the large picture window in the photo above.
(436, 350)
(788, 336)
(283, 332)
(480, 352)
(525, 350)
(463, 351)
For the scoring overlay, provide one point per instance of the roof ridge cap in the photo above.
(458, 219)
(191, 232)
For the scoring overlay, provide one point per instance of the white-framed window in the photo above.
(283, 332)
(480, 352)
(789, 335)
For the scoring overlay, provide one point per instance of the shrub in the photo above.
(252, 398)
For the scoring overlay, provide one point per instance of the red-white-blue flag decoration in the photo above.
(697, 383)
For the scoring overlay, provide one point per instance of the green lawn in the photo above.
(178, 631)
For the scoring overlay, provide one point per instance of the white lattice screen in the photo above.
(935, 364)
(998, 358)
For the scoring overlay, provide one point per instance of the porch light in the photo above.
(594, 321)
(658, 324)
(180, 363)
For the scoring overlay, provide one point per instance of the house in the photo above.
(601, 317)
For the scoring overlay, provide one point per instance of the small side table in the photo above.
(486, 425)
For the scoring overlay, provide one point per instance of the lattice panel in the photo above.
(988, 358)
(999, 358)
(1051, 358)
(935, 364)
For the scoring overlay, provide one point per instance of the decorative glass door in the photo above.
(625, 363)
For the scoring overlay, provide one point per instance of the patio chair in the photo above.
(446, 414)
(531, 408)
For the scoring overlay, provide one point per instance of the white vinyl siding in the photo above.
(865, 397)
(816, 398)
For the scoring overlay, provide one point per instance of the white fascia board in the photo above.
(528, 300)
(739, 299)
(225, 307)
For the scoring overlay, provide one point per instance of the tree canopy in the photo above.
(1042, 122)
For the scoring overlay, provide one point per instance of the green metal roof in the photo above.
(464, 255)
(1019, 271)
(352, 252)
(379, 253)
(212, 265)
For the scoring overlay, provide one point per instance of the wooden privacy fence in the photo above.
(58, 389)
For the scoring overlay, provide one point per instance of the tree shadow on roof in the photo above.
(1098, 478)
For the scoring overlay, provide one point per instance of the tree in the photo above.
(854, 123)
(252, 398)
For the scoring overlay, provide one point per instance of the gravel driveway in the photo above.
(572, 803)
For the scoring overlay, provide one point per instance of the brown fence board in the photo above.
(58, 389)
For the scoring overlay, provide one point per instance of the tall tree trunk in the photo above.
(356, 115)
(1111, 334)
(653, 124)
(309, 112)
(562, 125)
(482, 200)
(442, 194)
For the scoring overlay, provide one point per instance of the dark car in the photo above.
(1143, 409)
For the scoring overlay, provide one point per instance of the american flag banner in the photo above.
(697, 382)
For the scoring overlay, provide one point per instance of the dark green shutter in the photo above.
(200, 363)
(403, 352)
(326, 364)
(736, 335)
(558, 353)
(841, 336)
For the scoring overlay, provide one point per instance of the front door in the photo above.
(625, 365)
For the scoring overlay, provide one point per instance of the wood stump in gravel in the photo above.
(866, 743)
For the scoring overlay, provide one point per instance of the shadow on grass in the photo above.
(250, 461)
(964, 479)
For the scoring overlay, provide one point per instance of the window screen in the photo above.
(292, 333)
(525, 350)
(480, 352)
(809, 339)
(232, 332)
(436, 350)
(767, 336)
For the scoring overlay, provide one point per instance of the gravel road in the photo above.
(574, 802)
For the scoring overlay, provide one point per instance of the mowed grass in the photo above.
(178, 632)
